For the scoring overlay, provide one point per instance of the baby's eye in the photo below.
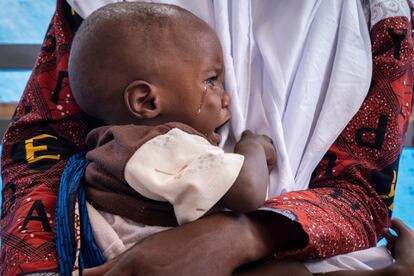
(211, 81)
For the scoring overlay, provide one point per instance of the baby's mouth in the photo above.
(215, 137)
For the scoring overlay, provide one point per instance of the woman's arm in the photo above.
(35, 149)
(401, 248)
(214, 245)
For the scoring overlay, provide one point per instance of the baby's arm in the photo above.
(249, 190)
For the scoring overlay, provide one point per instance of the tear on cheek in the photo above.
(203, 96)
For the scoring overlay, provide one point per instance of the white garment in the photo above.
(296, 70)
(368, 259)
(114, 234)
(381, 9)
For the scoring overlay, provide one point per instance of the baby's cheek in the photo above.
(209, 105)
(212, 111)
(212, 103)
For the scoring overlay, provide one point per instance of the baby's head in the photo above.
(149, 64)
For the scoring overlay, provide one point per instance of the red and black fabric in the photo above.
(344, 209)
(46, 129)
(352, 189)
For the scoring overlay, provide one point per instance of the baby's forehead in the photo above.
(181, 41)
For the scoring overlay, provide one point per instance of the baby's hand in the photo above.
(264, 141)
(401, 247)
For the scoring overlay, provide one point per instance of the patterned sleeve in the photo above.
(46, 129)
(352, 189)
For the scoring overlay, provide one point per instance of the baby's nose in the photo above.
(225, 99)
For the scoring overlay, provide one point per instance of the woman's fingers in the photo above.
(400, 227)
(246, 132)
(390, 241)
(389, 236)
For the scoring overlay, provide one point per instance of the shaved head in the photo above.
(129, 41)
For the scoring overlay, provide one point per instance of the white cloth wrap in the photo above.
(185, 170)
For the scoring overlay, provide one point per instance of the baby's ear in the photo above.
(142, 99)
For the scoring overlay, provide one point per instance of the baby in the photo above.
(154, 74)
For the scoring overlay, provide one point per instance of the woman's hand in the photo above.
(401, 247)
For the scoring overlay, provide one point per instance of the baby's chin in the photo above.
(214, 138)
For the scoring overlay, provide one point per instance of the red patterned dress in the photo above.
(345, 209)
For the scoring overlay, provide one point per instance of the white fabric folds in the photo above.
(368, 259)
(297, 71)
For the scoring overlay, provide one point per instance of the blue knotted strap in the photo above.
(70, 191)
